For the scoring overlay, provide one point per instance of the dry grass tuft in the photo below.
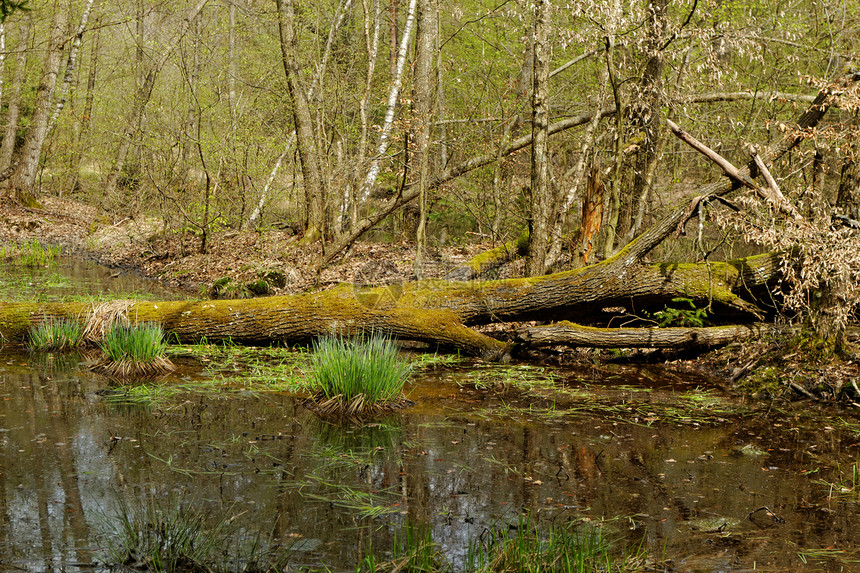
(356, 409)
(103, 317)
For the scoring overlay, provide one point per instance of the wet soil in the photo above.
(147, 245)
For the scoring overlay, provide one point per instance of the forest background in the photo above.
(537, 125)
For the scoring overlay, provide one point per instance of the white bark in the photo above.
(2, 55)
(259, 208)
(71, 65)
(372, 46)
(393, 95)
(318, 78)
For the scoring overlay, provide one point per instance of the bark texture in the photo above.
(22, 180)
(569, 334)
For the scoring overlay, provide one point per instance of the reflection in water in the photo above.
(692, 492)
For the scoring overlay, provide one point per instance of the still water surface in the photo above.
(709, 489)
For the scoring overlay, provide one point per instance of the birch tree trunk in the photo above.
(391, 107)
(372, 20)
(24, 178)
(70, 75)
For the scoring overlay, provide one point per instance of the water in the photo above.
(70, 277)
(661, 458)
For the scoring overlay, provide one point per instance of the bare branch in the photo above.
(721, 161)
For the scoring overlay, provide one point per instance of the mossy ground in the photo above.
(789, 366)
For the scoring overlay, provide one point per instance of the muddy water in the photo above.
(702, 481)
(744, 494)
(68, 277)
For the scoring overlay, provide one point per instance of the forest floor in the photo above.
(787, 366)
(146, 245)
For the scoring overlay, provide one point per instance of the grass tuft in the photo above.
(55, 334)
(357, 377)
(172, 536)
(134, 351)
(570, 547)
(30, 254)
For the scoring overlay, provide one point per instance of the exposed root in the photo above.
(355, 409)
(130, 370)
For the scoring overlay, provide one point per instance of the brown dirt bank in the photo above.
(147, 245)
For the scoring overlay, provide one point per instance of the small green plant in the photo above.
(693, 316)
(134, 350)
(168, 536)
(172, 535)
(30, 254)
(570, 547)
(414, 551)
(354, 377)
(55, 334)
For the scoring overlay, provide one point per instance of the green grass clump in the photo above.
(55, 334)
(162, 537)
(30, 254)
(521, 547)
(134, 350)
(354, 377)
(172, 536)
(571, 547)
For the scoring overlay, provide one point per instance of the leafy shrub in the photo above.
(691, 317)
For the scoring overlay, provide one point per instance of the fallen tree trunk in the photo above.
(437, 312)
(481, 264)
(572, 335)
(568, 334)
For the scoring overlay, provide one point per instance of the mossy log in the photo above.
(481, 264)
(438, 312)
(568, 334)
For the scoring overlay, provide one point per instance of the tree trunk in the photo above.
(423, 119)
(7, 148)
(614, 199)
(24, 178)
(592, 216)
(83, 128)
(438, 312)
(305, 138)
(141, 98)
(391, 106)
(481, 264)
(540, 205)
(70, 76)
(566, 333)
(646, 117)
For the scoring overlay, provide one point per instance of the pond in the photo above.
(656, 458)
